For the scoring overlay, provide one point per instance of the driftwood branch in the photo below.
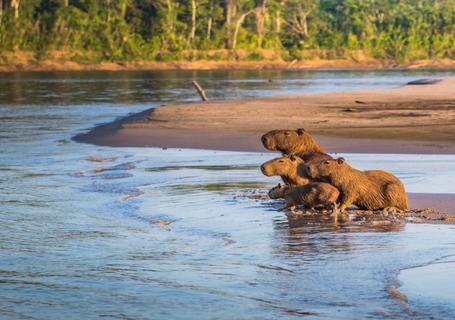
(200, 90)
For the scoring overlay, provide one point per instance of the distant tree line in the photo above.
(183, 29)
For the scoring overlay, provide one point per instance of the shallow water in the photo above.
(430, 286)
(171, 234)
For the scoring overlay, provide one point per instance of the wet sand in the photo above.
(440, 203)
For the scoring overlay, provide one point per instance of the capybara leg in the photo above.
(344, 206)
(345, 202)
(334, 216)
(334, 208)
(289, 205)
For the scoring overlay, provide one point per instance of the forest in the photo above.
(170, 30)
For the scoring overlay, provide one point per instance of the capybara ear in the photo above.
(340, 160)
(293, 158)
(300, 131)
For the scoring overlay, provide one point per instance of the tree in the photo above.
(95, 30)
(15, 5)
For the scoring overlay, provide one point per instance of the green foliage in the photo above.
(162, 30)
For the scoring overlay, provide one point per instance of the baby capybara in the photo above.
(371, 190)
(294, 142)
(312, 195)
(291, 169)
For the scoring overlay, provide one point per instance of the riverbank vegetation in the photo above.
(94, 31)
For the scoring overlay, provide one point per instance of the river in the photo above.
(179, 234)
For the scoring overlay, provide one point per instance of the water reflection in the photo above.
(66, 88)
(318, 236)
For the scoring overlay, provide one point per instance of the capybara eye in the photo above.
(287, 133)
(281, 161)
(326, 162)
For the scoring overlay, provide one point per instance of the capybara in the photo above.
(371, 190)
(277, 192)
(291, 169)
(294, 142)
(312, 195)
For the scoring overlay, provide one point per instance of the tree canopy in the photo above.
(125, 30)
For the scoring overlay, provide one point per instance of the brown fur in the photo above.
(315, 194)
(277, 192)
(291, 169)
(371, 190)
(294, 142)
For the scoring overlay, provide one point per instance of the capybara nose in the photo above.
(262, 168)
(264, 139)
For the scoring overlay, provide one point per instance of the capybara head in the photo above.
(325, 168)
(282, 166)
(278, 191)
(290, 141)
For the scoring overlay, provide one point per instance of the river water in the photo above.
(179, 234)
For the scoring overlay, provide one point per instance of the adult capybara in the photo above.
(294, 142)
(291, 169)
(371, 190)
(312, 195)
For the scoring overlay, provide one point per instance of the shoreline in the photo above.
(439, 202)
(68, 65)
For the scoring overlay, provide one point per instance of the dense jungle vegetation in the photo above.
(168, 30)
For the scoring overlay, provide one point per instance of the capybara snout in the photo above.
(277, 167)
(278, 191)
(268, 141)
(282, 140)
(311, 172)
(322, 169)
(290, 168)
(291, 142)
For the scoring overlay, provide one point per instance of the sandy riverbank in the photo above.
(27, 65)
(408, 119)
